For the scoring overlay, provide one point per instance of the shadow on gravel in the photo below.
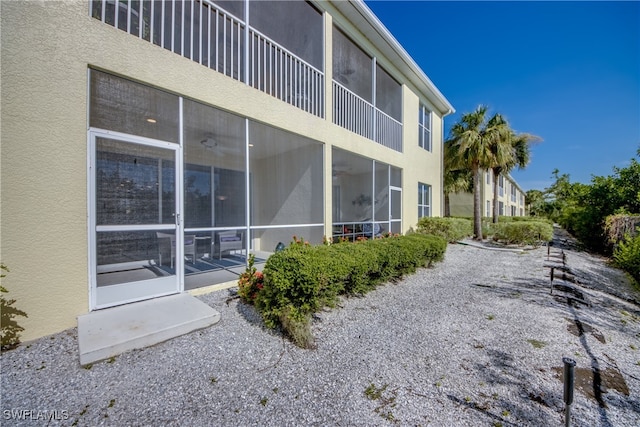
(601, 278)
(536, 404)
(484, 410)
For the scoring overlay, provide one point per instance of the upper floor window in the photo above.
(424, 200)
(424, 128)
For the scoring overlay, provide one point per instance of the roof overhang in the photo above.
(371, 27)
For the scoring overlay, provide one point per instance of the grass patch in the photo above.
(537, 344)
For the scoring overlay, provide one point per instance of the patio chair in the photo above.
(226, 241)
(168, 245)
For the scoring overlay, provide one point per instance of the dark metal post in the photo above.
(569, 365)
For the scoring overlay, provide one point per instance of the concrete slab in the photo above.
(109, 332)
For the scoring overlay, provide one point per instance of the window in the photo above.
(488, 177)
(501, 185)
(488, 208)
(424, 128)
(424, 200)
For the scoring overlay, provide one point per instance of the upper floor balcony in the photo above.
(280, 52)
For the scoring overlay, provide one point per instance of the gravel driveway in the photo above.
(477, 340)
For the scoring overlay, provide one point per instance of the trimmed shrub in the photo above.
(451, 229)
(523, 232)
(301, 279)
(627, 256)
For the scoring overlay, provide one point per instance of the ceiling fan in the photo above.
(340, 170)
(212, 144)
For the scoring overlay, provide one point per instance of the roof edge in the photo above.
(379, 33)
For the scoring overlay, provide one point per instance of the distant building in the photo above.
(511, 198)
(149, 146)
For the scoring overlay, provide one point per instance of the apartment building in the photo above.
(511, 198)
(149, 146)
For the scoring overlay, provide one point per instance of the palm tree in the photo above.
(511, 152)
(471, 142)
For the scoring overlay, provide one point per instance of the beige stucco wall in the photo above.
(419, 165)
(44, 162)
(47, 48)
(461, 204)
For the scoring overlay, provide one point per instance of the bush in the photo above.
(250, 282)
(301, 279)
(523, 232)
(627, 256)
(451, 229)
(619, 227)
(9, 328)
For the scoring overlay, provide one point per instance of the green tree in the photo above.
(536, 203)
(456, 180)
(471, 142)
(582, 209)
(511, 152)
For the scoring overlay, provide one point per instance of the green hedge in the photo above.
(627, 256)
(301, 279)
(449, 228)
(520, 219)
(522, 232)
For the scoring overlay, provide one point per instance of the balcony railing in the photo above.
(207, 34)
(359, 116)
(280, 73)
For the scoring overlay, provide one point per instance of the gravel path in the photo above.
(477, 340)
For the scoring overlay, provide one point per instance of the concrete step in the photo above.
(109, 332)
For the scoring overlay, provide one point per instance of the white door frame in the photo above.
(398, 190)
(118, 294)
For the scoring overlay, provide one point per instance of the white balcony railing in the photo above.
(389, 131)
(280, 73)
(352, 112)
(359, 116)
(207, 34)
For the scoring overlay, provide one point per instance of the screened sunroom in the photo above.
(182, 192)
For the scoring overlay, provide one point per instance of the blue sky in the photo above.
(568, 72)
